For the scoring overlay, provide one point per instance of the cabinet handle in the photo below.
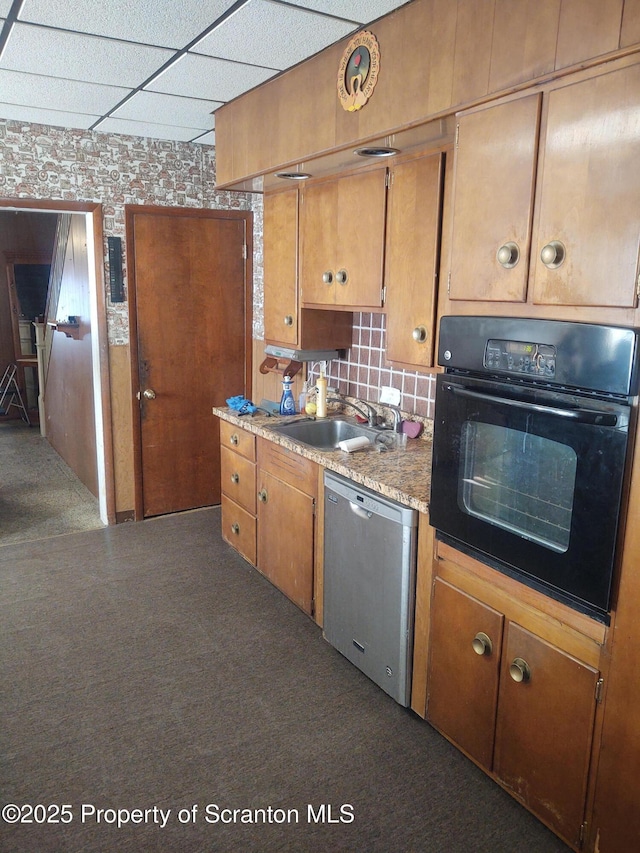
(553, 254)
(420, 334)
(288, 320)
(327, 277)
(508, 255)
(234, 439)
(262, 495)
(342, 276)
(235, 528)
(520, 671)
(235, 477)
(482, 644)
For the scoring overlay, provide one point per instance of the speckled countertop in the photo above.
(402, 474)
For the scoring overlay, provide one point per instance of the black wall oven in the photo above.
(530, 445)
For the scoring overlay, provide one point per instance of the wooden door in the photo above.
(318, 238)
(544, 730)
(589, 193)
(411, 259)
(463, 675)
(361, 214)
(495, 163)
(281, 267)
(191, 312)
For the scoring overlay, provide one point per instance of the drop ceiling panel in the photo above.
(140, 128)
(56, 118)
(209, 78)
(156, 108)
(54, 53)
(361, 11)
(5, 6)
(241, 36)
(52, 92)
(161, 22)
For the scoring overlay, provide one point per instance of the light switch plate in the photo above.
(390, 396)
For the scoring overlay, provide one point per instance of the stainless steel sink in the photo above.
(324, 434)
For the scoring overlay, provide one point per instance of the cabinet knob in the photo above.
(508, 255)
(234, 439)
(482, 644)
(235, 528)
(553, 254)
(420, 334)
(327, 277)
(262, 496)
(342, 276)
(235, 477)
(288, 320)
(520, 671)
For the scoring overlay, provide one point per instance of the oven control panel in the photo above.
(521, 357)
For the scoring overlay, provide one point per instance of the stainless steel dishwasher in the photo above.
(369, 582)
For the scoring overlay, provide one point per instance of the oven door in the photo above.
(530, 482)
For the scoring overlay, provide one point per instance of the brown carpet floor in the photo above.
(147, 667)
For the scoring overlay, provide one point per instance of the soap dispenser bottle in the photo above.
(321, 395)
(287, 403)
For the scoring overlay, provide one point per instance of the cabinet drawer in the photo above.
(239, 529)
(293, 469)
(238, 479)
(238, 440)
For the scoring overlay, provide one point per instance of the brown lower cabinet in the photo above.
(269, 510)
(519, 706)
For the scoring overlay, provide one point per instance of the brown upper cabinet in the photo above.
(545, 189)
(342, 227)
(411, 259)
(285, 322)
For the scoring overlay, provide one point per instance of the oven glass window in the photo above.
(518, 481)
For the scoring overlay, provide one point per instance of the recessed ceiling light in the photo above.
(293, 176)
(376, 151)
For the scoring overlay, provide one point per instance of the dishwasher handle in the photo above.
(358, 510)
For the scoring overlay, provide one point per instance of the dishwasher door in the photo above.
(369, 582)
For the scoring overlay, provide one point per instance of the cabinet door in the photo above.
(589, 192)
(495, 161)
(545, 728)
(318, 236)
(281, 267)
(285, 539)
(359, 257)
(466, 640)
(411, 256)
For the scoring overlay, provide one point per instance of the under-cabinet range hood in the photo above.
(301, 354)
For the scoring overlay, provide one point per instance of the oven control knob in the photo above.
(447, 355)
(482, 644)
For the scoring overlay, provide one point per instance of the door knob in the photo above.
(149, 394)
(482, 644)
(520, 671)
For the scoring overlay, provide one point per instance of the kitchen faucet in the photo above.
(397, 416)
(370, 416)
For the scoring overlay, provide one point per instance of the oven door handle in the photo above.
(584, 416)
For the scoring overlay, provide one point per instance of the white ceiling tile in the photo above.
(362, 11)
(5, 6)
(56, 118)
(208, 78)
(294, 34)
(53, 53)
(160, 22)
(66, 95)
(141, 128)
(207, 139)
(168, 109)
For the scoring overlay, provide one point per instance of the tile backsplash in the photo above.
(365, 370)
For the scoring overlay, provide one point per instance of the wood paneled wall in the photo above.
(435, 57)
